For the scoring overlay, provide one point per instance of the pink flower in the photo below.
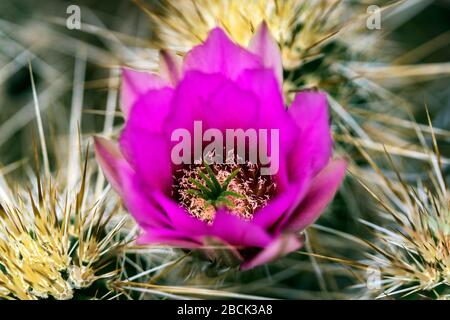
(226, 87)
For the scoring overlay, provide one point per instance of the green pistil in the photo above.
(212, 191)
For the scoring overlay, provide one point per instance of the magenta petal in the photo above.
(264, 45)
(149, 154)
(238, 232)
(215, 101)
(263, 84)
(151, 110)
(111, 160)
(276, 210)
(225, 109)
(144, 209)
(170, 66)
(180, 218)
(189, 102)
(123, 180)
(283, 245)
(321, 192)
(167, 237)
(136, 83)
(220, 55)
(314, 145)
(272, 110)
(272, 114)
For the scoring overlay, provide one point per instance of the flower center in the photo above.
(202, 189)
